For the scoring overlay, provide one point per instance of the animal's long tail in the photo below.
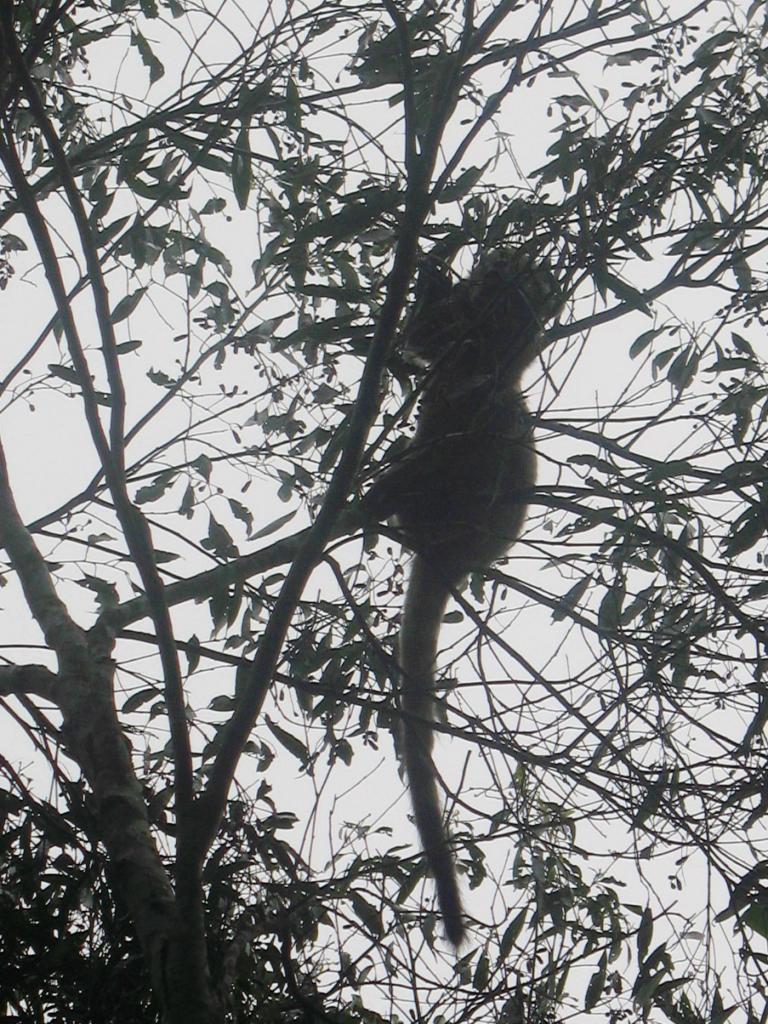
(425, 604)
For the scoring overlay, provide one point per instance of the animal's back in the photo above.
(475, 453)
(460, 491)
(462, 510)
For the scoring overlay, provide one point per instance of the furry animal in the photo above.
(459, 493)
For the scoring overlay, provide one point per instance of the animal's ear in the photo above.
(434, 282)
(431, 325)
(513, 284)
(430, 312)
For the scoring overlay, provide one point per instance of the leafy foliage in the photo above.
(229, 235)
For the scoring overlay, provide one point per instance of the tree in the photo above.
(226, 212)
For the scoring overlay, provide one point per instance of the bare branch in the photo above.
(111, 453)
(16, 680)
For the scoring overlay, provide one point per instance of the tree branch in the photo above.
(111, 452)
(61, 634)
(19, 680)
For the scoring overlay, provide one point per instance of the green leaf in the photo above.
(291, 743)
(126, 305)
(67, 373)
(239, 511)
(463, 184)
(213, 206)
(627, 57)
(223, 702)
(136, 700)
(625, 291)
(511, 933)
(642, 341)
(683, 369)
(275, 525)
(275, 822)
(219, 539)
(162, 557)
(573, 102)
(192, 652)
(609, 612)
(218, 604)
(187, 506)
(150, 61)
(669, 470)
(292, 106)
(155, 490)
(719, 1014)
(756, 918)
(745, 533)
(652, 800)
(111, 230)
(203, 465)
(644, 934)
(571, 599)
(12, 243)
(241, 170)
(159, 378)
(743, 274)
(128, 346)
(105, 591)
(342, 750)
(712, 43)
(482, 973)
(662, 359)
(368, 914)
(596, 984)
